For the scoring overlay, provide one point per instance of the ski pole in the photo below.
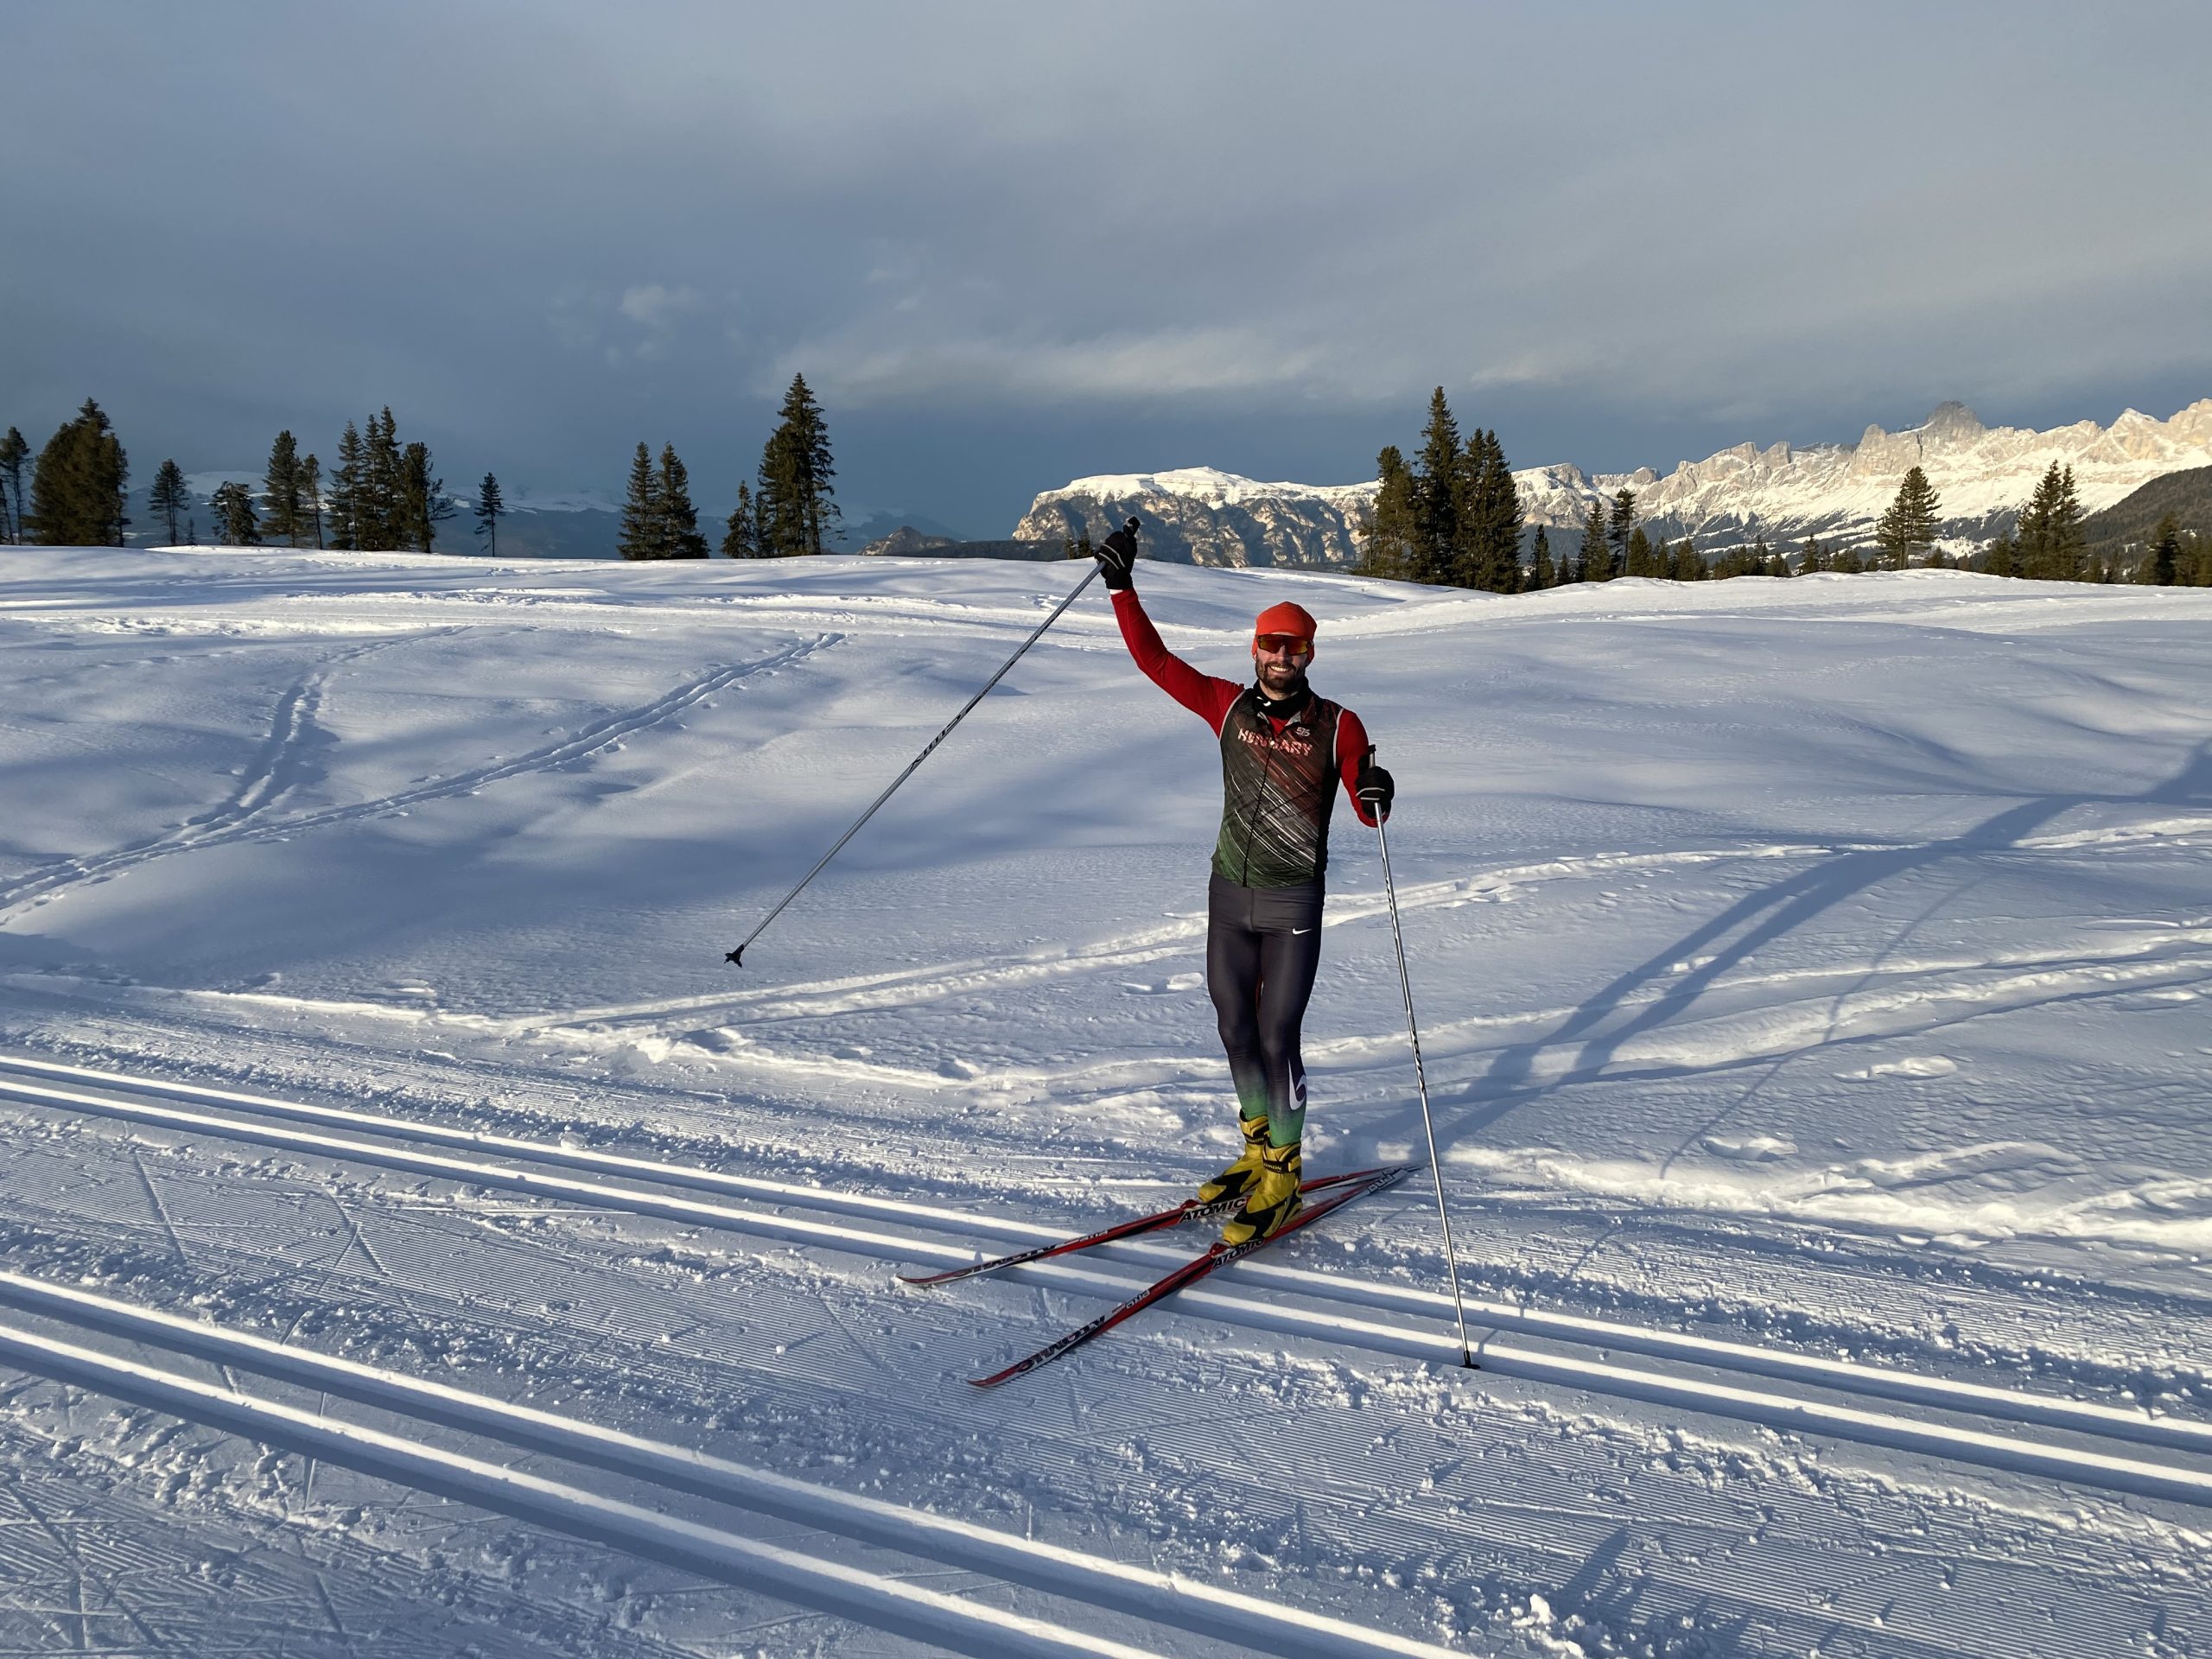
(738, 954)
(1420, 1083)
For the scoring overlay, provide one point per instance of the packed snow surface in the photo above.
(415, 1237)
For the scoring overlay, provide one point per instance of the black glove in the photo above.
(1118, 558)
(1373, 789)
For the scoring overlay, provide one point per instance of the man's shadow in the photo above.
(1511, 1081)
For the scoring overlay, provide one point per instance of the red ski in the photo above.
(1188, 1210)
(1344, 1190)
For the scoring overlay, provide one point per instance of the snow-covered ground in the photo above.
(1814, 982)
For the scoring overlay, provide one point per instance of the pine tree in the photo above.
(311, 489)
(1541, 573)
(1438, 490)
(741, 535)
(14, 451)
(489, 508)
(1593, 562)
(235, 524)
(1487, 554)
(77, 488)
(1391, 529)
(346, 490)
(2069, 541)
(169, 497)
(2053, 546)
(641, 532)
(798, 505)
(1777, 563)
(2002, 557)
(1617, 526)
(1684, 563)
(782, 522)
(281, 493)
(1637, 559)
(379, 521)
(1909, 525)
(1845, 560)
(2164, 563)
(421, 504)
(679, 520)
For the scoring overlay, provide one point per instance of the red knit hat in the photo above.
(1285, 618)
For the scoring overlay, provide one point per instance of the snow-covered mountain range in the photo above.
(1982, 475)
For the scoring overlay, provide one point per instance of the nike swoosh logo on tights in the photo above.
(1295, 931)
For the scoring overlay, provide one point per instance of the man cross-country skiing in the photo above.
(1283, 751)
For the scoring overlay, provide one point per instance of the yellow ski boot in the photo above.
(1237, 1179)
(1273, 1199)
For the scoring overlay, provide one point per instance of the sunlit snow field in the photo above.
(1818, 963)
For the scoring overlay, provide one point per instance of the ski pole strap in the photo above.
(738, 954)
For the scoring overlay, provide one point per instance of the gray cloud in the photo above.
(1249, 234)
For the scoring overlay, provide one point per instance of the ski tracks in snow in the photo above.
(2090, 1443)
(279, 765)
(275, 767)
(881, 1600)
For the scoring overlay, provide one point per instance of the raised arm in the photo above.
(1202, 694)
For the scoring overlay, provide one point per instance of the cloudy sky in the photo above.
(1009, 244)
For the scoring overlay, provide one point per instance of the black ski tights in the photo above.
(1263, 946)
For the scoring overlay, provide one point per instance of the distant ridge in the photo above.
(1836, 491)
(2134, 519)
(906, 542)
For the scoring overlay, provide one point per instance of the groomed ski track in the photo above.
(950, 1621)
(1322, 1310)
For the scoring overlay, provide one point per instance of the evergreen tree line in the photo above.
(2050, 542)
(383, 495)
(1452, 516)
(789, 509)
(77, 487)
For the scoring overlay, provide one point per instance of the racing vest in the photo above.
(1277, 788)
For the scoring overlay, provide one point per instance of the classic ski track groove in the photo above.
(241, 819)
(1075, 1575)
(1523, 1519)
(854, 1592)
(1426, 1340)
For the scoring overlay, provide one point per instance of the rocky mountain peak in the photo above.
(1952, 420)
